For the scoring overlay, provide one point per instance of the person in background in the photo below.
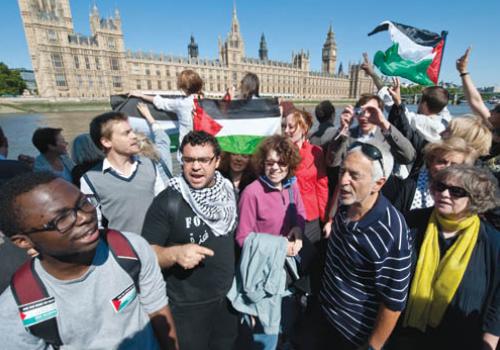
(249, 86)
(53, 150)
(238, 168)
(9, 168)
(86, 155)
(191, 84)
(454, 299)
(321, 133)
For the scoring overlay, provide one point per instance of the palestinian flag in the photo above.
(415, 54)
(238, 125)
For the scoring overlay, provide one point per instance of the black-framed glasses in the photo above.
(67, 219)
(370, 151)
(454, 191)
(201, 160)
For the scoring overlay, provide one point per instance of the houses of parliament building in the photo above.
(69, 64)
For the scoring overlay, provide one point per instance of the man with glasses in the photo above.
(88, 297)
(371, 125)
(368, 261)
(124, 183)
(191, 228)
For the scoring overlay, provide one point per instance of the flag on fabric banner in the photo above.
(415, 54)
(238, 125)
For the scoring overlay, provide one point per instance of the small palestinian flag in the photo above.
(415, 54)
(238, 125)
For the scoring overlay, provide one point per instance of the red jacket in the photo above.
(312, 180)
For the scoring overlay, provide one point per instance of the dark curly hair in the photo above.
(479, 183)
(287, 151)
(200, 138)
(12, 214)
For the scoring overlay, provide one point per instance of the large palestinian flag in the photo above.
(238, 125)
(415, 54)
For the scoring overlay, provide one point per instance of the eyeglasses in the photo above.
(201, 160)
(67, 219)
(270, 163)
(370, 151)
(455, 191)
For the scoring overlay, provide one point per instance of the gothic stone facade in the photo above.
(69, 64)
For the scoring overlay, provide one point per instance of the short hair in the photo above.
(473, 130)
(325, 111)
(481, 185)
(190, 82)
(436, 98)
(12, 215)
(43, 137)
(3, 139)
(102, 126)
(200, 138)
(365, 98)
(302, 118)
(452, 144)
(387, 160)
(84, 150)
(284, 147)
(249, 86)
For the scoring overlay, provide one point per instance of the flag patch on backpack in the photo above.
(38, 311)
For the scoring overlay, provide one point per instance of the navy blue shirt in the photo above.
(368, 263)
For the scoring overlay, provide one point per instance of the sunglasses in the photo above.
(370, 151)
(454, 191)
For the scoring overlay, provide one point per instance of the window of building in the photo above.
(148, 72)
(61, 80)
(169, 84)
(149, 85)
(167, 71)
(101, 82)
(158, 72)
(114, 64)
(77, 62)
(159, 85)
(57, 61)
(87, 62)
(79, 81)
(138, 85)
(97, 63)
(117, 82)
(111, 43)
(51, 35)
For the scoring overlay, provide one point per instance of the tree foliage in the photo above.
(11, 82)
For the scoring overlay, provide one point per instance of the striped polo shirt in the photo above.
(368, 262)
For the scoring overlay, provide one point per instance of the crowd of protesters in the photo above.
(381, 233)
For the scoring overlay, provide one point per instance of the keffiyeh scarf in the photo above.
(215, 205)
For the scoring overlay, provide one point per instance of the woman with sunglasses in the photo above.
(454, 299)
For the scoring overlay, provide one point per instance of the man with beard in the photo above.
(191, 228)
(368, 261)
(76, 293)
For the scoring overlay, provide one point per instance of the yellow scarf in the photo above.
(436, 280)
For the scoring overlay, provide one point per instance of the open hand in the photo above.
(144, 110)
(366, 65)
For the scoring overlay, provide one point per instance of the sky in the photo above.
(288, 25)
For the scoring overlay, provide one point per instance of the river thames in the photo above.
(19, 127)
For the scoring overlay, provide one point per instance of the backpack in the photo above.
(29, 292)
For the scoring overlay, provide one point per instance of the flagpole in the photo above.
(444, 34)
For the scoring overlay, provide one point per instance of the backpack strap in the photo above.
(92, 187)
(29, 292)
(125, 255)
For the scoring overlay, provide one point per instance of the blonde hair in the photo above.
(301, 118)
(147, 147)
(472, 129)
(451, 144)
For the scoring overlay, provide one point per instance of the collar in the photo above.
(359, 134)
(286, 183)
(377, 212)
(107, 166)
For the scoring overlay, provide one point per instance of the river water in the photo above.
(19, 127)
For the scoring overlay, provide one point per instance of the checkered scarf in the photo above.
(215, 205)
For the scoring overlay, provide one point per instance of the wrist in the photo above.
(385, 126)
(462, 74)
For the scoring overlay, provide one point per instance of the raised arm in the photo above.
(368, 68)
(471, 93)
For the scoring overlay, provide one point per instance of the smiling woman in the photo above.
(457, 277)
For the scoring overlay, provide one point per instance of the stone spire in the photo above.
(329, 54)
(192, 48)
(263, 48)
